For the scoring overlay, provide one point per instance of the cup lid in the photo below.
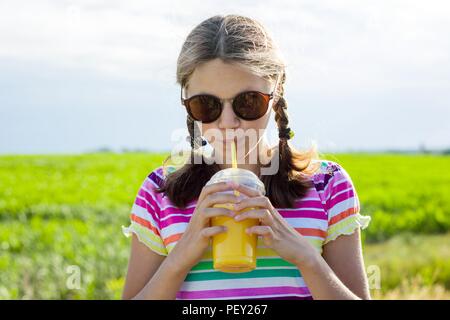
(241, 176)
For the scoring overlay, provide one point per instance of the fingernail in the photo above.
(237, 217)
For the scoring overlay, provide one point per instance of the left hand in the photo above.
(276, 232)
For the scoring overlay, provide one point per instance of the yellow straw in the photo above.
(233, 155)
(234, 161)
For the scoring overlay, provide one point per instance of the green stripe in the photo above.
(208, 265)
(265, 273)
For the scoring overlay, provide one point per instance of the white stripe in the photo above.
(300, 209)
(174, 228)
(341, 206)
(307, 223)
(242, 283)
(144, 214)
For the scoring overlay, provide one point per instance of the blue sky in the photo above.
(361, 75)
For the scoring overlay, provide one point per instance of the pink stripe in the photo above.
(332, 187)
(168, 211)
(141, 203)
(234, 293)
(303, 214)
(172, 220)
(342, 197)
(316, 204)
(331, 184)
(150, 199)
(342, 186)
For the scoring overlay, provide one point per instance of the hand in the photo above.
(194, 241)
(276, 232)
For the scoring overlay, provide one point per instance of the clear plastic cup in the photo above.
(235, 250)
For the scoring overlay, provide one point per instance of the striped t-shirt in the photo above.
(329, 209)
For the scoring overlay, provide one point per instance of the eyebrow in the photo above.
(241, 91)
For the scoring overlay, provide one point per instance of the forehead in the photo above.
(224, 79)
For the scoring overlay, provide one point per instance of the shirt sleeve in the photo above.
(342, 204)
(144, 218)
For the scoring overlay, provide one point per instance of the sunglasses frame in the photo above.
(267, 96)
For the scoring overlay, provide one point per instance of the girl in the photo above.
(232, 76)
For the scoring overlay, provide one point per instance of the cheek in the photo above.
(208, 130)
(258, 126)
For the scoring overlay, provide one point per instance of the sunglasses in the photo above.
(248, 105)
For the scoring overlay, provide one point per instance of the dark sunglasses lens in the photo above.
(250, 105)
(205, 108)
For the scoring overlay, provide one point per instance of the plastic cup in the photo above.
(235, 250)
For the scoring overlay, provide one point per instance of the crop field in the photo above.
(61, 216)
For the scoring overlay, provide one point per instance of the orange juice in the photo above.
(234, 250)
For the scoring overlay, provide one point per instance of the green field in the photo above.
(61, 211)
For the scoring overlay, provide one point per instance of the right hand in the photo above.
(190, 247)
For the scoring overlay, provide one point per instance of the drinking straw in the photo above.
(234, 161)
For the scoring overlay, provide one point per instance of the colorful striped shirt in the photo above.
(329, 209)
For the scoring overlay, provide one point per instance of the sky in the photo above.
(76, 76)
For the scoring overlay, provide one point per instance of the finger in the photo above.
(211, 231)
(214, 212)
(212, 188)
(246, 190)
(220, 198)
(260, 201)
(263, 215)
(264, 231)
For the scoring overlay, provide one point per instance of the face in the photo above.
(225, 81)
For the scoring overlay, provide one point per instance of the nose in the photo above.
(228, 119)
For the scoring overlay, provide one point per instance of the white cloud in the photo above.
(333, 43)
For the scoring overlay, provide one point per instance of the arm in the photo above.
(339, 273)
(151, 275)
(158, 276)
(343, 254)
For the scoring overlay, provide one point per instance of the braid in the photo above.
(281, 118)
(195, 142)
(286, 185)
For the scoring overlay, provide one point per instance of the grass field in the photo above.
(62, 211)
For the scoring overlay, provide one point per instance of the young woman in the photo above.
(232, 77)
